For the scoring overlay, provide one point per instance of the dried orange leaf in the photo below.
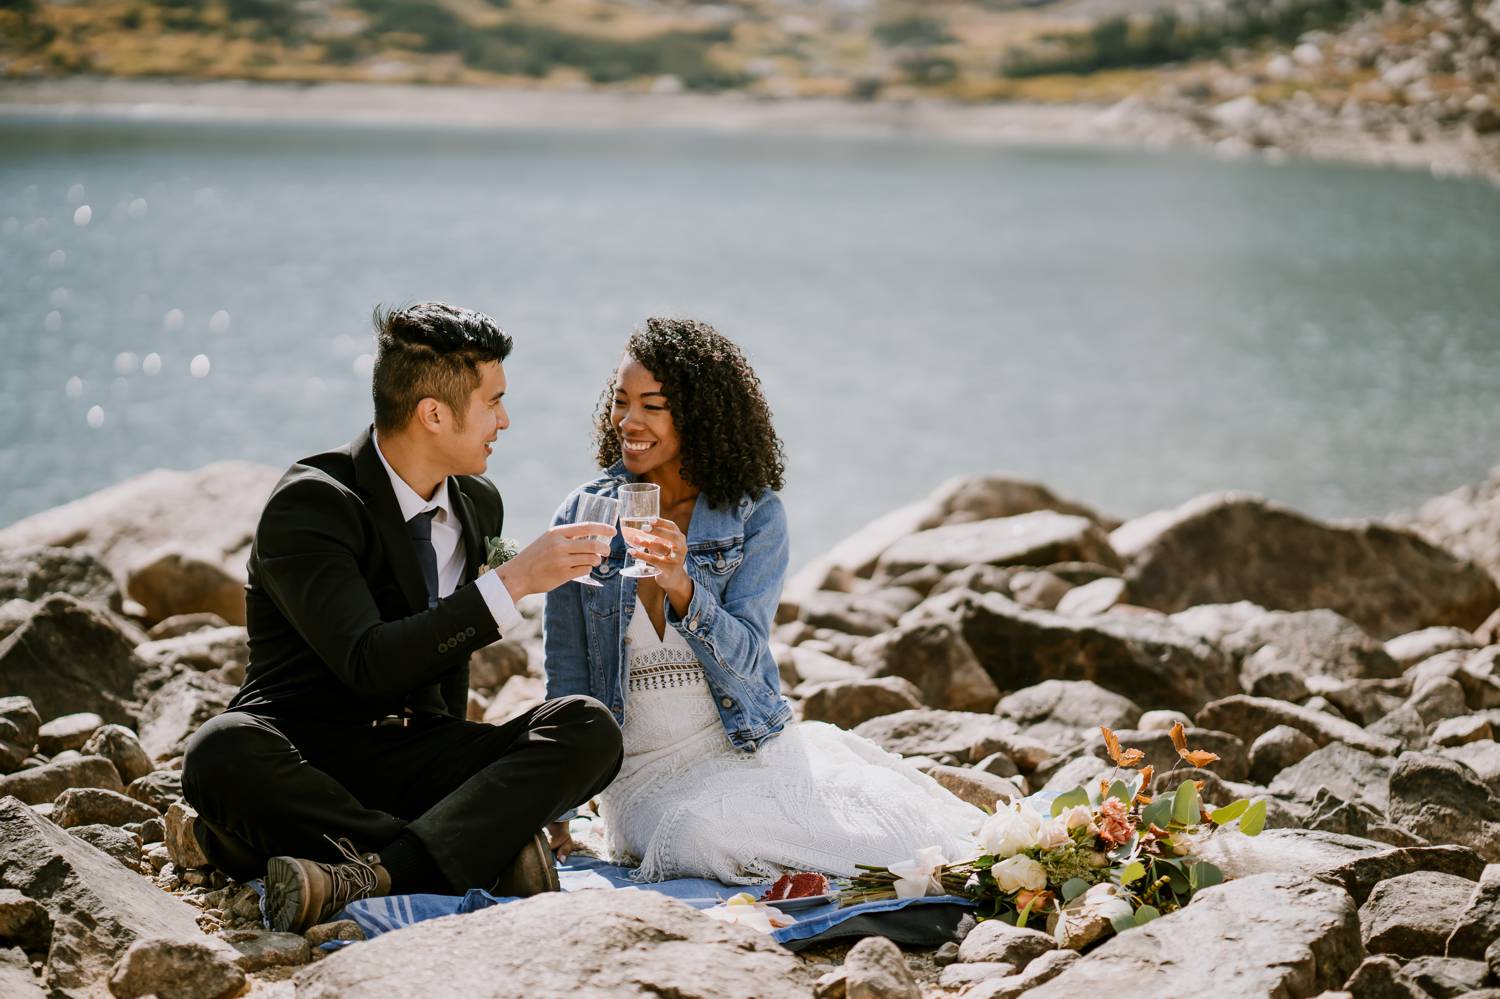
(1179, 738)
(1199, 757)
(1126, 758)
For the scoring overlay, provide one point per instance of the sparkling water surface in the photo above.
(1131, 328)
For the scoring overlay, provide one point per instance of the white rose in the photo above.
(1078, 815)
(1052, 835)
(1017, 873)
(1010, 830)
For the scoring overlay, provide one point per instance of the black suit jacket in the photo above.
(336, 605)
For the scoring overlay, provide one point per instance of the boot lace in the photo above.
(352, 880)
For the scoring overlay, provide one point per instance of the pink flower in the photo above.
(1115, 826)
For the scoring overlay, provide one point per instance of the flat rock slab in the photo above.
(1038, 538)
(98, 908)
(620, 944)
(1292, 851)
(1443, 801)
(1268, 935)
(1247, 717)
(1360, 876)
(1351, 774)
(43, 784)
(1412, 915)
(1226, 547)
(962, 735)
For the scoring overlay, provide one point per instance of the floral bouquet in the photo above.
(1111, 854)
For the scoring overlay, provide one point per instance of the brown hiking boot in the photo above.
(303, 893)
(531, 873)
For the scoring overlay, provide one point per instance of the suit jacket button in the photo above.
(442, 646)
(469, 631)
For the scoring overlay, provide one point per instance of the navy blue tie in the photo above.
(420, 528)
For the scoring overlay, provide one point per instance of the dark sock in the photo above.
(412, 868)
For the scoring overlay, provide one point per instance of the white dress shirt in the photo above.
(448, 544)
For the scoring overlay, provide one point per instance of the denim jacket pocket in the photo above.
(720, 558)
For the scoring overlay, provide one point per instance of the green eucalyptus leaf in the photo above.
(1231, 811)
(1206, 875)
(1179, 881)
(1145, 914)
(1254, 819)
(1124, 921)
(1072, 888)
(1119, 789)
(1131, 872)
(1185, 809)
(1159, 811)
(1069, 799)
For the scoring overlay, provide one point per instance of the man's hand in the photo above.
(560, 840)
(562, 553)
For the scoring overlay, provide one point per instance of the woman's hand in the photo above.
(665, 547)
(560, 840)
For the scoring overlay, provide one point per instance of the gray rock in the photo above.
(204, 650)
(850, 613)
(182, 843)
(41, 785)
(178, 709)
(1247, 717)
(119, 745)
(813, 666)
(1492, 958)
(492, 665)
(1442, 800)
(1270, 672)
(1077, 772)
(994, 940)
(1462, 731)
(24, 922)
(1291, 851)
(1094, 597)
(98, 908)
(344, 929)
(960, 976)
(1437, 699)
(83, 806)
(262, 949)
(67, 732)
(1446, 977)
(1351, 774)
(1413, 914)
(624, 944)
(16, 979)
(185, 624)
(1043, 969)
(1145, 660)
(1233, 763)
(175, 969)
(1311, 945)
(1413, 647)
(1382, 978)
(1227, 547)
(1482, 757)
(1277, 748)
(34, 573)
(847, 703)
(935, 657)
(978, 788)
(1361, 701)
(1479, 922)
(1159, 720)
(1312, 643)
(1403, 725)
(117, 842)
(1330, 813)
(19, 724)
(158, 789)
(180, 579)
(69, 657)
(1038, 588)
(1064, 712)
(955, 735)
(1032, 539)
(875, 969)
(1361, 874)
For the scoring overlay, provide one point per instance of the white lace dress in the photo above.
(686, 803)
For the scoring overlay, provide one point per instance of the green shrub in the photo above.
(917, 29)
(438, 28)
(534, 50)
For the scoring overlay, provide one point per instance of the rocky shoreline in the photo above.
(1217, 115)
(1348, 673)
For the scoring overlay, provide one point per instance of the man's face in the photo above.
(466, 449)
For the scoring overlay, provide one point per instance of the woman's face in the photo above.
(648, 439)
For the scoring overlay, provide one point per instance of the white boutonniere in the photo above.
(499, 551)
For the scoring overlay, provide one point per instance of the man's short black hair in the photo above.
(430, 350)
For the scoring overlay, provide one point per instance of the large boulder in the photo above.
(69, 657)
(1295, 851)
(847, 703)
(934, 656)
(1064, 712)
(40, 785)
(1465, 521)
(177, 710)
(175, 579)
(1226, 547)
(952, 735)
(1443, 801)
(212, 510)
(36, 573)
(175, 969)
(1351, 774)
(120, 746)
(1310, 944)
(1036, 539)
(19, 725)
(1479, 922)
(98, 908)
(616, 943)
(1149, 661)
(1360, 875)
(223, 651)
(1247, 717)
(1413, 914)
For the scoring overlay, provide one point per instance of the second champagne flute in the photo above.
(640, 506)
(596, 509)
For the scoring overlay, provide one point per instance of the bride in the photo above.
(716, 782)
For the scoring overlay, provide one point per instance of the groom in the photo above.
(344, 767)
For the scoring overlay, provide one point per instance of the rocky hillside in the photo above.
(1347, 673)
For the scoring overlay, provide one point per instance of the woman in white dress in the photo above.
(716, 782)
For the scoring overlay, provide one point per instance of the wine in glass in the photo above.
(640, 506)
(595, 509)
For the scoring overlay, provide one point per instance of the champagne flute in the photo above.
(640, 505)
(595, 509)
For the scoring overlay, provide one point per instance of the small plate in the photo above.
(805, 902)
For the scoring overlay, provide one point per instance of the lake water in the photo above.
(1131, 328)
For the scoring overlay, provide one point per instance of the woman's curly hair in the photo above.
(729, 447)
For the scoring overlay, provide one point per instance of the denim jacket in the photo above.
(737, 558)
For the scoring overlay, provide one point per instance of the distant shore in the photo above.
(1130, 124)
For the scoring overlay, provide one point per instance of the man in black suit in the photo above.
(344, 767)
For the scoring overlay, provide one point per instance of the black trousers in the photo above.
(473, 794)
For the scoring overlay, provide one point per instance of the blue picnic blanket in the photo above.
(918, 921)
